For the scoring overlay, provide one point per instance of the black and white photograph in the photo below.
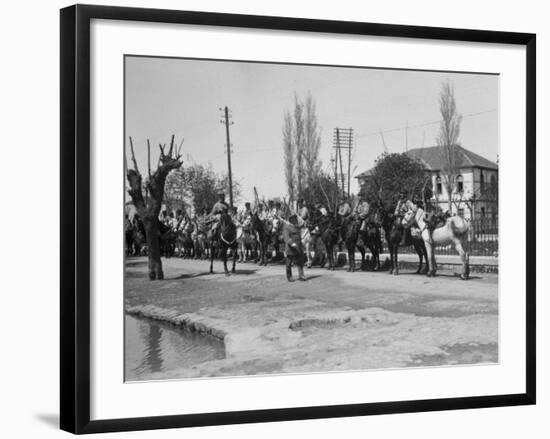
(295, 218)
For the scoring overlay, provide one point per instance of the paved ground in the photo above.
(333, 321)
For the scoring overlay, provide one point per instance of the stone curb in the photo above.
(189, 321)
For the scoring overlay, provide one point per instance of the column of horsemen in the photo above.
(270, 231)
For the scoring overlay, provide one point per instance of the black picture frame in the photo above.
(75, 217)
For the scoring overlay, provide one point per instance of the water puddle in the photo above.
(151, 346)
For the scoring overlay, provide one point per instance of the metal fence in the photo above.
(482, 240)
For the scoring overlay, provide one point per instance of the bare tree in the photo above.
(149, 209)
(289, 155)
(312, 140)
(447, 139)
(299, 143)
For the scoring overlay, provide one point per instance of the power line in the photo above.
(392, 130)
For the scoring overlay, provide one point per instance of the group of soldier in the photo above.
(292, 220)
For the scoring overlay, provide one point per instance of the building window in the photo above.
(438, 186)
(460, 184)
(483, 212)
(481, 182)
(461, 212)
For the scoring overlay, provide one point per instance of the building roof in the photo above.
(432, 158)
(365, 174)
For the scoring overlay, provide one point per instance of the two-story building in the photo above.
(475, 194)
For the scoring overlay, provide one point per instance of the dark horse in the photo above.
(223, 239)
(393, 229)
(349, 232)
(328, 231)
(263, 238)
(370, 235)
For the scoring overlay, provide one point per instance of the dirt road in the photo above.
(333, 321)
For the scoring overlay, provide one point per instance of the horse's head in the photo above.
(411, 217)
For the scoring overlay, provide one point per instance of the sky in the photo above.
(165, 96)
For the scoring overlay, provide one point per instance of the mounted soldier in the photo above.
(404, 205)
(218, 210)
(303, 211)
(344, 213)
(362, 212)
(344, 209)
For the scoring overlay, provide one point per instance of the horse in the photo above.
(262, 237)
(370, 236)
(185, 244)
(308, 244)
(246, 241)
(393, 230)
(167, 238)
(328, 229)
(453, 231)
(349, 232)
(224, 239)
(129, 240)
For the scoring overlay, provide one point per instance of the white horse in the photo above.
(306, 243)
(245, 240)
(454, 231)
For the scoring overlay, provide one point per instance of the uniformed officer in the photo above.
(303, 212)
(362, 211)
(404, 205)
(293, 246)
(218, 210)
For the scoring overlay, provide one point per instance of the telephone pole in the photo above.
(343, 139)
(227, 123)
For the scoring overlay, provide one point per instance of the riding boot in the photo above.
(288, 271)
(301, 272)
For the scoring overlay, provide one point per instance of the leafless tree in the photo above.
(289, 155)
(447, 139)
(312, 140)
(149, 208)
(301, 144)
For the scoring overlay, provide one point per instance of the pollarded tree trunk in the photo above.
(153, 245)
(149, 210)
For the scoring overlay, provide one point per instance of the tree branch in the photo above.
(133, 155)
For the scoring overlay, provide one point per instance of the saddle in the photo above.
(435, 220)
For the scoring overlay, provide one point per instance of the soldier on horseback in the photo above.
(404, 205)
(344, 213)
(303, 211)
(362, 212)
(218, 210)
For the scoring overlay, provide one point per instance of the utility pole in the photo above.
(227, 123)
(349, 163)
(343, 139)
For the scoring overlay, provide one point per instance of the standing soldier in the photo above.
(293, 246)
